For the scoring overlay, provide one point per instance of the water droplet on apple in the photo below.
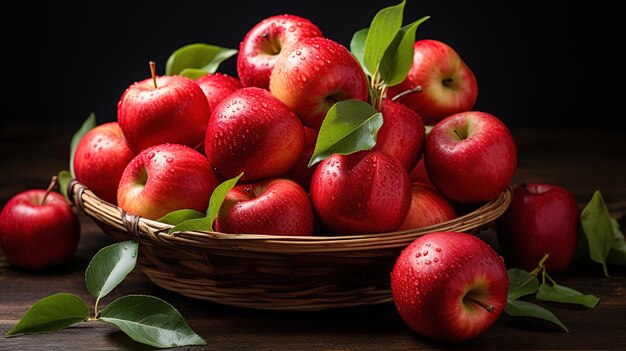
(87, 155)
(169, 159)
(291, 29)
(427, 262)
(151, 155)
(298, 52)
(438, 249)
(426, 253)
(436, 259)
(417, 255)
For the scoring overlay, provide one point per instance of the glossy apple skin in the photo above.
(262, 44)
(365, 192)
(419, 174)
(428, 207)
(176, 112)
(313, 74)
(401, 135)
(166, 178)
(542, 218)
(432, 278)
(37, 236)
(449, 86)
(276, 206)
(475, 167)
(217, 86)
(300, 172)
(100, 159)
(253, 132)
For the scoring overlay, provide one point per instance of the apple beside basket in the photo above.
(300, 273)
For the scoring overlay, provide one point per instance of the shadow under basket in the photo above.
(299, 273)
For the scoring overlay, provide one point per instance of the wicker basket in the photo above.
(267, 271)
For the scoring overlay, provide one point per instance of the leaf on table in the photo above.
(179, 216)
(519, 308)
(563, 294)
(110, 266)
(598, 229)
(349, 126)
(617, 254)
(197, 57)
(149, 320)
(50, 314)
(357, 47)
(87, 125)
(521, 283)
(382, 31)
(398, 57)
(64, 178)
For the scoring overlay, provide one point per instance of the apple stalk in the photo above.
(53, 184)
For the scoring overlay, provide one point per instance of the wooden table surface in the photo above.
(580, 160)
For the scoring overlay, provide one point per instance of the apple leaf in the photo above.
(398, 57)
(64, 178)
(193, 73)
(521, 283)
(357, 47)
(617, 255)
(598, 229)
(197, 57)
(109, 267)
(87, 125)
(179, 216)
(519, 308)
(151, 321)
(560, 293)
(349, 126)
(382, 31)
(51, 313)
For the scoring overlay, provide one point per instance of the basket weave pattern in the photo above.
(270, 271)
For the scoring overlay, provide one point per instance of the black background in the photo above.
(539, 64)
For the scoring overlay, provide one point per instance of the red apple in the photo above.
(217, 86)
(263, 43)
(402, 133)
(428, 207)
(313, 74)
(253, 132)
(276, 206)
(470, 157)
(38, 229)
(541, 218)
(448, 85)
(300, 172)
(169, 109)
(449, 286)
(166, 178)
(419, 174)
(365, 192)
(100, 159)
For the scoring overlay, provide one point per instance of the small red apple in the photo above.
(165, 178)
(541, 218)
(301, 173)
(313, 74)
(419, 174)
(159, 110)
(262, 44)
(276, 206)
(251, 131)
(449, 286)
(428, 207)
(448, 86)
(364, 192)
(470, 157)
(100, 159)
(216, 87)
(38, 229)
(402, 133)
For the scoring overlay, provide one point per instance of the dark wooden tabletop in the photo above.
(580, 160)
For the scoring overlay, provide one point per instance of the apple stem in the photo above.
(53, 184)
(458, 134)
(488, 308)
(417, 89)
(153, 73)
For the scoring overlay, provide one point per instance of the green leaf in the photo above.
(398, 57)
(382, 31)
(193, 73)
(519, 308)
(617, 255)
(357, 47)
(598, 229)
(151, 321)
(64, 179)
(52, 313)
(559, 293)
(521, 283)
(349, 126)
(87, 125)
(179, 216)
(197, 56)
(110, 266)
(217, 198)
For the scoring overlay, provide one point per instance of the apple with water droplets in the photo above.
(253, 132)
(449, 286)
(216, 87)
(428, 207)
(165, 178)
(265, 41)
